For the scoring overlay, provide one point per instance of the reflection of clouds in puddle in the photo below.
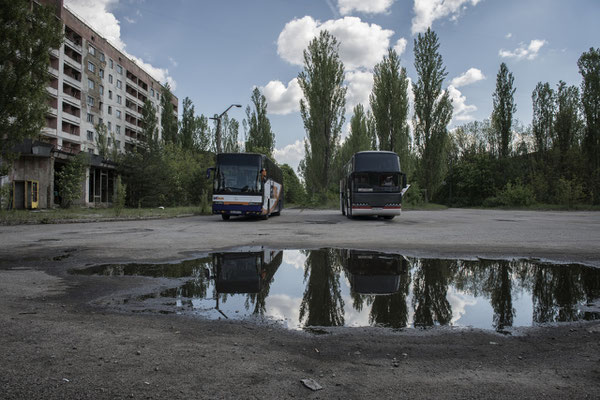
(458, 304)
(283, 307)
(295, 258)
(352, 317)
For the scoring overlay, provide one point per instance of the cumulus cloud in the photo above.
(427, 11)
(528, 52)
(362, 45)
(291, 154)
(359, 85)
(400, 46)
(368, 7)
(471, 76)
(281, 99)
(462, 110)
(96, 13)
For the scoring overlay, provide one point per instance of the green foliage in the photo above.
(389, 102)
(504, 109)
(516, 195)
(261, 138)
(149, 123)
(230, 134)
(292, 187)
(322, 110)
(187, 126)
(5, 196)
(168, 119)
(119, 197)
(569, 192)
(567, 122)
(70, 179)
(589, 68)
(543, 99)
(433, 112)
(28, 33)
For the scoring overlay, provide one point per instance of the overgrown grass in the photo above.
(54, 216)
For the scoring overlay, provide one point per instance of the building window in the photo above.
(118, 114)
(91, 84)
(92, 50)
(101, 57)
(90, 136)
(110, 79)
(157, 96)
(91, 67)
(152, 92)
(119, 84)
(90, 118)
(111, 63)
(101, 73)
(100, 121)
(90, 101)
(110, 94)
(119, 99)
(118, 128)
(101, 90)
(109, 126)
(109, 141)
(119, 69)
(109, 110)
(118, 144)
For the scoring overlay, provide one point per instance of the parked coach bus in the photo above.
(372, 184)
(246, 184)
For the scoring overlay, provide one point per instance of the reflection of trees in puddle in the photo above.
(430, 287)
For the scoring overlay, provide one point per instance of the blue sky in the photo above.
(215, 52)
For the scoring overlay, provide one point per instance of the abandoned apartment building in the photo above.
(91, 82)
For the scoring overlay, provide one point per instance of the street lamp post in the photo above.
(218, 119)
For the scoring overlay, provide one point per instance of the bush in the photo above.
(516, 195)
(70, 179)
(119, 197)
(414, 195)
(569, 192)
(5, 192)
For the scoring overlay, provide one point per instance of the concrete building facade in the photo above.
(91, 83)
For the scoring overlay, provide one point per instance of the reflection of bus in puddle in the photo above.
(374, 273)
(245, 272)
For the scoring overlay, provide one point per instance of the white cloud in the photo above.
(529, 52)
(359, 85)
(129, 20)
(173, 62)
(96, 13)
(368, 7)
(462, 111)
(281, 99)
(291, 154)
(471, 76)
(362, 45)
(400, 46)
(508, 35)
(427, 11)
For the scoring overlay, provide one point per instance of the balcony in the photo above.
(72, 119)
(71, 100)
(55, 53)
(52, 111)
(73, 45)
(72, 63)
(71, 81)
(48, 131)
(53, 72)
(53, 92)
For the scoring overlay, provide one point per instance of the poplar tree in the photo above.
(389, 104)
(504, 109)
(359, 138)
(149, 123)
(261, 138)
(589, 68)
(187, 125)
(322, 109)
(28, 31)
(567, 123)
(433, 112)
(168, 119)
(543, 100)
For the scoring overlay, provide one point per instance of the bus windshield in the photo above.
(376, 162)
(238, 174)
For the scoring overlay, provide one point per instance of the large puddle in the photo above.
(301, 289)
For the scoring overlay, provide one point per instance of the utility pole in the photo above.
(218, 133)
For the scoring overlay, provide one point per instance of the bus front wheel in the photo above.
(343, 204)
(225, 217)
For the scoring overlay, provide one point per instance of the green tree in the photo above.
(70, 178)
(543, 100)
(168, 119)
(292, 187)
(433, 111)
(187, 125)
(389, 102)
(589, 68)
(504, 109)
(149, 123)
(203, 134)
(28, 31)
(567, 122)
(322, 109)
(261, 138)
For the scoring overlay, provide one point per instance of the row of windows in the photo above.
(90, 137)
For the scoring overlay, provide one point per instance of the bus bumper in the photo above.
(382, 211)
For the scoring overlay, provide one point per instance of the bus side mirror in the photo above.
(404, 181)
(208, 172)
(263, 174)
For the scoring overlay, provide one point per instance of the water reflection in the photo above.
(337, 287)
